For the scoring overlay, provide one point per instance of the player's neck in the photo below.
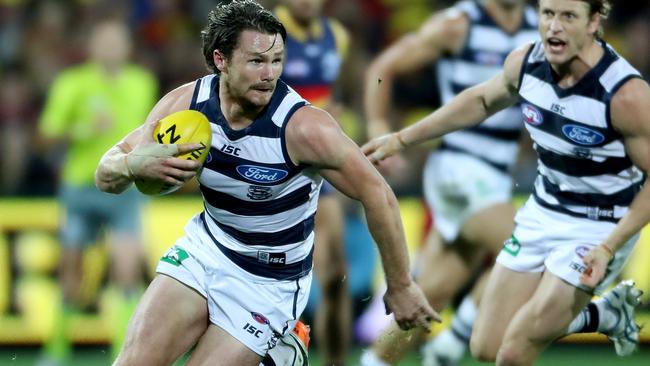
(237, 113)
(509, 18)
(569, 73)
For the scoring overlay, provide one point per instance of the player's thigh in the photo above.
(506, 292)
(489, 227)
(216, 347)
(443, 269)
(169, 319)
(549, 312)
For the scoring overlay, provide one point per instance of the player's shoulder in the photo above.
(175, 100)
(632, 93)
(514, 63)
(310, 122)
(450, 23)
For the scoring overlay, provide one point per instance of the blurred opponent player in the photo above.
(315, 49)
(467, 180)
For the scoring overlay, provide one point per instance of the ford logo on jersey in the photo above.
(582, 135)
(260, 174)
(531, 115)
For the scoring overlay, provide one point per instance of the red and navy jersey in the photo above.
(313, 58)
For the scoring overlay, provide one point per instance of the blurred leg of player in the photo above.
(334, 313)
(449, 347)
(445, 270)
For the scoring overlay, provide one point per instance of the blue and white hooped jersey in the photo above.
(486, 47)
(259, 206)
(583, 169)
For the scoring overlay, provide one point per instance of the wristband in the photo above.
(608, 250)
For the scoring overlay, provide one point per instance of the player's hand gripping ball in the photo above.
(187, 126)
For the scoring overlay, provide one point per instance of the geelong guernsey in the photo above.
(486, 47)
(583, 169)
(259, 206)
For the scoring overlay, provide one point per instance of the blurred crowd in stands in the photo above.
(38, 38)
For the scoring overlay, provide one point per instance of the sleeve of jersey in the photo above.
(57, 113)
(342, 38)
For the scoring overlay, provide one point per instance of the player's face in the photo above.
(304, 11)
(254, 68)
(566, 28)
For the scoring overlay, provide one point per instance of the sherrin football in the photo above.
(187, 126)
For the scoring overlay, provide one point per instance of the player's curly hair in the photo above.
(227, 21)
(602, 8)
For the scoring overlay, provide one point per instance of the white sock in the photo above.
(589, 320)
(370, 358)
(463, 322)
(607, 318)
(449, 345)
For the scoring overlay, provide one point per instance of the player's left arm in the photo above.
(313, 137)
(630, 114)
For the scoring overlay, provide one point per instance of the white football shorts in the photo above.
(458, 185)
(255, 310)
(549, 240)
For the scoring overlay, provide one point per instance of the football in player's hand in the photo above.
(187, 126)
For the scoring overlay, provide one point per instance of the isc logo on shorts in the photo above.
(252, 330)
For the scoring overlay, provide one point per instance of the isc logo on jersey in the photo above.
(181, 127)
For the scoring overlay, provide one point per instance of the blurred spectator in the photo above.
(16, 113)
(89, 107)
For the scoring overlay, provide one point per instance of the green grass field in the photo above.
(558, 355)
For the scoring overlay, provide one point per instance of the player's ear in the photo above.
(219, 60)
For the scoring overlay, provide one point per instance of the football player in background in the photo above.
(586, 110)
(466, 180)
(315, 48)
(89, 107)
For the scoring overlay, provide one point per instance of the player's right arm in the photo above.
(442, 33)
(138, 155)
(467, 109)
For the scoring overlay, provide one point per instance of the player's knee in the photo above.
(509, 356)
(481, 349)
(136, 352)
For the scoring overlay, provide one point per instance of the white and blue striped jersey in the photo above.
(259, 206)
(583, 169)
(486, 47)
